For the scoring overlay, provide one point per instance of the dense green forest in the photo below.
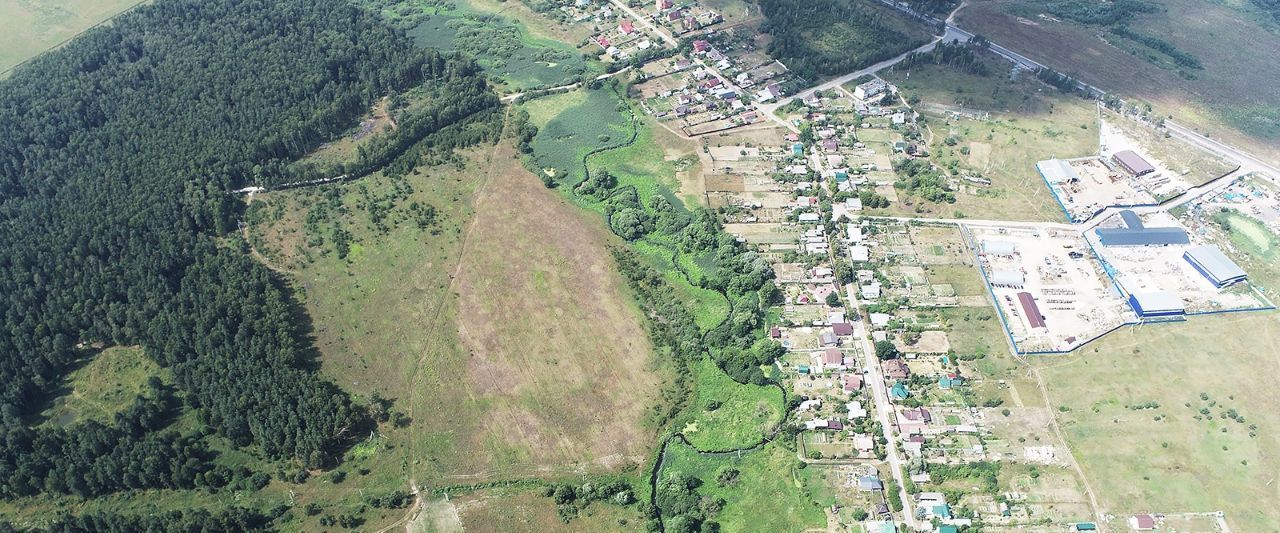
(830, 37)
(117, 153)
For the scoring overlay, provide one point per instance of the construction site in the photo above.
(1165, 273)
(1051, 291)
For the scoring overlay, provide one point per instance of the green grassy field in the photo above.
(1026, 124)
(104, 386)
(1187, 454)
(514, 56)
(30, 27)
(766, 495)
(742, 414)
(585, 121)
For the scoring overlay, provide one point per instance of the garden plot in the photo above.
(1163, 268)
(774, 236)
(1052, 274)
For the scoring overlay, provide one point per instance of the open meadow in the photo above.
(29, 27)
(998, 129)
(496, 326)
(1177, 417)
(1233, 96)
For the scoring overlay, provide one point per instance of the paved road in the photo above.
(770, 109)
(666, 37)
(1246, 160)
(884, 409)
(981, 222)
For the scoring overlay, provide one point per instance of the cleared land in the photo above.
(501, 330)
(29, 27)
(995, 128)
(107, 384)
(1235, 97)
(1148, 414)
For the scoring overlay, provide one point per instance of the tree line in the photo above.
(819, 38)
(116, 155)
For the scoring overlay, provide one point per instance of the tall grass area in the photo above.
(580, 122)
(514, 57)
(727, 415)
(760, 489)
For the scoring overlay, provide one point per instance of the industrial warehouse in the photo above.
(1052, 293)
(1164, 274)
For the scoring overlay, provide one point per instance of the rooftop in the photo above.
(1057, 171)
(1210, 260)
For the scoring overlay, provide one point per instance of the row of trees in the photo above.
(116, 152)
(828, 37)
(960, 56)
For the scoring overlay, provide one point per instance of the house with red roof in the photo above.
(626, 26)
(1142, 522)
(852, 382)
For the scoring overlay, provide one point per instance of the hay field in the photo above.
(29, 27)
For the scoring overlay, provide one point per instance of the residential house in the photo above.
(870, 484)
(842, 329)
(864, 444)
(896, 369)
(828, 339)
(1142, 522)
(914, 444)
(852, 382)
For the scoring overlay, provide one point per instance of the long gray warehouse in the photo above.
(1136, 234)
(1214, 265)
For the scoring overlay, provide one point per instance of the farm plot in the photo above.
(31, 27)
